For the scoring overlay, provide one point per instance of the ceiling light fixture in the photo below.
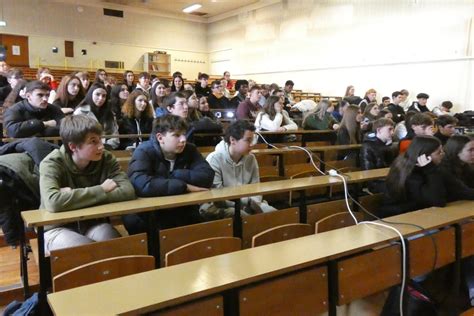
(192, 7)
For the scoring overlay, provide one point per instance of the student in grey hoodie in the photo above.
(234, 165)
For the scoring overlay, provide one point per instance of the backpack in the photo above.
(418, 301)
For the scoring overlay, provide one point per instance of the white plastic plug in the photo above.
(333, 173)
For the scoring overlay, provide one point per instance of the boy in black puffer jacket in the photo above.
(377, 151)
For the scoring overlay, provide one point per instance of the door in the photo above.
(17, 49)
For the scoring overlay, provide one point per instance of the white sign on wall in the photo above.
(15, 50)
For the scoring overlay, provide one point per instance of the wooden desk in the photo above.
(57, 139)
(38, 218)
(300, 131)
(205, 277)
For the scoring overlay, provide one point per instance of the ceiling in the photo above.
(212, 8)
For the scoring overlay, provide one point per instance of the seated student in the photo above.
(458, 162)
(128, 80)
(84, 77)
(321, 117)
(338, 112)
(459, 158)
(248, 109)
(205, 110)
(350, 97)
(445, 124)
(420, 105)
(370, 96)
(230, 82)
(33, 116)
(217, 99)
(415, 180)
(241, 88)
(199, 123)
(202, 88)
(443, 109)
(178, 84)
(384, 113)
(289, 84)
(419, 125)
(395, 107)
(118, 96)
(137, 119)
(371, 112)
(81, 174)
(225, 91)
(376, 151)
(69, 94)
(158, 94)
(349, 130)
(274, 118)
(96, 105)
(234, 166)
(385, 103)
(14, 75)
(144, 83)
(167, 165)
(401, 129)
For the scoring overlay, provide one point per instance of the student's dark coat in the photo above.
(149, 170)
(24, 120)
(426, 187)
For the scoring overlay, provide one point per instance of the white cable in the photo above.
(334, 173)
(404, 258)
(310, 154)
(345, 194)
(263, 138)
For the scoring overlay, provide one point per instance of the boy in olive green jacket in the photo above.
(81, 174)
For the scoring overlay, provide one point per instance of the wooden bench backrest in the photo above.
(422, 252)
(319, 211)
(309, 192)
(208, 306)
(254, 224)
(304, 292)
(467, 233)
(176, 237)
(371, 202)
(275, 197)
(102, 270)
(66, 259)
(356, 277)
(281, 233)
(336, 221)
(202, 249)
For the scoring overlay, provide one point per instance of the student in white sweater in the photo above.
(234, 166)
(274, 118)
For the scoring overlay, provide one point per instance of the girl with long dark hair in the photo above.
(416, 181)
(96, 105)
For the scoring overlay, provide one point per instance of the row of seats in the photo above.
(72, 267)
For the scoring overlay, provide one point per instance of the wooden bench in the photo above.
(102, 270)
(318, 211)
(297, 264)
(336, 221)
(174, 238)
(255, 224)
(203, 248)
(281, 233)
